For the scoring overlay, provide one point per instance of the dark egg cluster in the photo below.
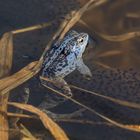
(119, 84)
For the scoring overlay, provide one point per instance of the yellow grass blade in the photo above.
(35, 27)
(109, 53)
(26, 133)
(6, 53)
(122, 37)
(11, 82)
(103, 65)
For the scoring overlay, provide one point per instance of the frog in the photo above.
(64, 57)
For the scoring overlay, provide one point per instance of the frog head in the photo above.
(79, 44)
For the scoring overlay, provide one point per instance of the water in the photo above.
(118, 76)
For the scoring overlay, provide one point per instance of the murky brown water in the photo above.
(118, 76)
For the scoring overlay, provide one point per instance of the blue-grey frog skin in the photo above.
(64, 57)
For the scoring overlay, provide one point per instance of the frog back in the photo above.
(61, 67)
(57, 48)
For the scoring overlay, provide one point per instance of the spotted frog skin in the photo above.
(64, 57)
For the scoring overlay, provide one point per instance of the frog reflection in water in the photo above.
(64, 57)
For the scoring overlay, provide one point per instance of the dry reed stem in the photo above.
(98, 3)
(103, 65)
(109, 53)
(133, 15)
(6, 55)
(35, 27)
(55, 130)
(11, 82)
(131, 127)
(9, 114)
(122, 37)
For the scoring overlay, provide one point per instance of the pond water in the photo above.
(115, 65)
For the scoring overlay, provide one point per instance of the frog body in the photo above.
(64, 57)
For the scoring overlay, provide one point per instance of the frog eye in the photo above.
(80, 40)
